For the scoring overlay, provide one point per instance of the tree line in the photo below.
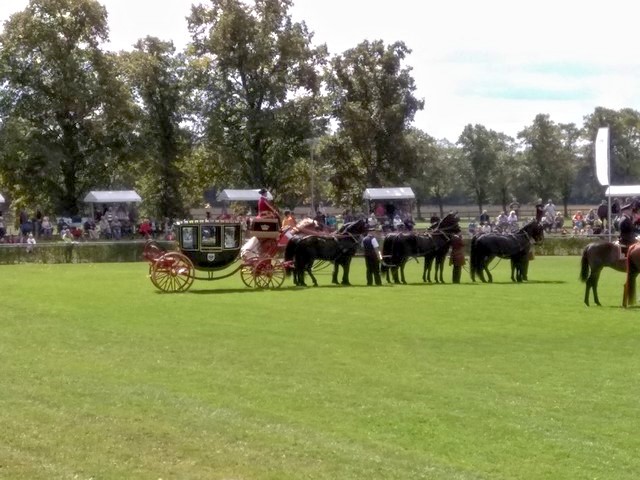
(248, 103)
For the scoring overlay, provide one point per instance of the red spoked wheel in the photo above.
(269, 274)
(172, 272)
(152, 251)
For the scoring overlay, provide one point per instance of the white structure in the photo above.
(111, 196)
(241, 195)
(397, 193)
(1, 198)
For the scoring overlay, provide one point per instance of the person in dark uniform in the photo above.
(539, 210)
(372, 258)
(603, 214)
(627, 225)
(457, 257)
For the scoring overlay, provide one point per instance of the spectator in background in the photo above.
(502, 221)
(512, 219)
(615, 207)
(578, 220)
(47, 227)
(484, 218)
(550, 208)
(289, 220)
(3, 228)
(603, 213)
(539, 211)
(31, 242)
(116, 228)
(590, 218)
(90, 229)
(105, 228)
(515, 206)
(146, 230)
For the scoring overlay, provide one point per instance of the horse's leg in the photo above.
(440, 268)
(402, 272)
(489, 276)
(593, 282)
(334, 277)
(394, 274)
(427, 269)
(313, 279)
(345, 271)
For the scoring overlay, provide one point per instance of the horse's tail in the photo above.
(473, 259)
(289, 254)
(584, 268)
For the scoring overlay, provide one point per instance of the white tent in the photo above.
(1, 198)
(402, 193)
(241, 195)
(112, 196)
(623, 191)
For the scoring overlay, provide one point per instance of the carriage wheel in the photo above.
(269, 274)
(247, 276)
(173, 272)
(152, 251)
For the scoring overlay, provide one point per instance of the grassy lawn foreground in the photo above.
(105, 378)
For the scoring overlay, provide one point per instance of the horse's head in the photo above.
(450, 224)
(359, 227)
(535, 230)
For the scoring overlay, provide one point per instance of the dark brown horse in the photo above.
(398, 248)
(303, 250)
(595, 257)
(515, 246)
(633, 268)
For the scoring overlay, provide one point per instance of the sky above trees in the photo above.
(495, 63)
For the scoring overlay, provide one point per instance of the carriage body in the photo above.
(211, 247)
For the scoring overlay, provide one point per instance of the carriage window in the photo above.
(231, 237)
(189, 238)
(210, 236)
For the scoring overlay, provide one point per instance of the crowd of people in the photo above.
(109, 223)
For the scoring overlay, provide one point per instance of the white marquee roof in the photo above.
(400, 193)
(1, 198)
(623, 191)
(112, 196)
(241, 195)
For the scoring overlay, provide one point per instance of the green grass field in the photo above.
(103, 377)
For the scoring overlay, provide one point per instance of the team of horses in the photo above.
(433, 245)
(398, 248)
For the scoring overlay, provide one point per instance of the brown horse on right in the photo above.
(633, 269)
(595, 257)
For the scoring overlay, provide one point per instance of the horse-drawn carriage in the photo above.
(213, 247)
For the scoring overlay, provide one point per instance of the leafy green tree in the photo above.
(504, 178)
(569, 164)
(544, 150)
(373, 102)
(65, 114)
(257, 80)
(477, 161)
(156, 75)
(435, 169)
(624, 134)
